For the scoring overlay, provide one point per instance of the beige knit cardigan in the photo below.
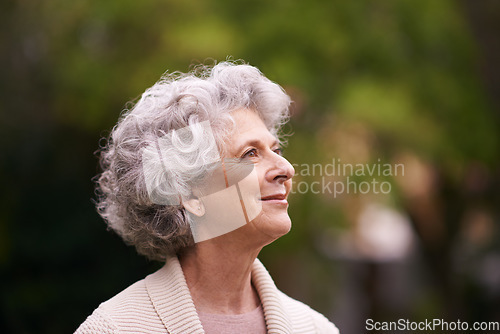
(161, 303)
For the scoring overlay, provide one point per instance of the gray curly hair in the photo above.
(177, 100)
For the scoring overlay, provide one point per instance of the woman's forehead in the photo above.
(249, 126)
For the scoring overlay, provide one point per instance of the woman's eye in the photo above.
(278, 151)
(250, 154)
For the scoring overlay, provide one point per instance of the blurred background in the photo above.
(411, 82)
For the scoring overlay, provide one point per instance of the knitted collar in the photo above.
(171, 299)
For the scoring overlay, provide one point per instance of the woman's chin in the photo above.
(274, 226)
(282, 229)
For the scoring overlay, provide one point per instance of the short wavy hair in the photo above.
(177, 100)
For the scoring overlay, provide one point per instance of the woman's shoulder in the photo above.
(98, 322)
(130, 311)
(298, 311)
(133, 296)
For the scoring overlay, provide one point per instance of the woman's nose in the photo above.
(280, 170)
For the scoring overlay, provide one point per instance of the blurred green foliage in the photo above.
(397, 79)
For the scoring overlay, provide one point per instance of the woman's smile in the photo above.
(279, 199)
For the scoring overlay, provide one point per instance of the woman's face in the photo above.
(252, 143)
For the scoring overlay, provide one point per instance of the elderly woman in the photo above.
(193, 176)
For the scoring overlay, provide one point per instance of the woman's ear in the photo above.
(194, 205)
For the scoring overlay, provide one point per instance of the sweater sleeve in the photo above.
(323, 325)
(97, 323)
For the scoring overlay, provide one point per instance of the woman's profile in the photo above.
(193, 176)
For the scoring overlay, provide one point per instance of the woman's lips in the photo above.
(275, 199)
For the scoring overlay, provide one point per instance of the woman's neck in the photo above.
(218, 274)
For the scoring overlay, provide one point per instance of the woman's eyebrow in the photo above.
(251, 142)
